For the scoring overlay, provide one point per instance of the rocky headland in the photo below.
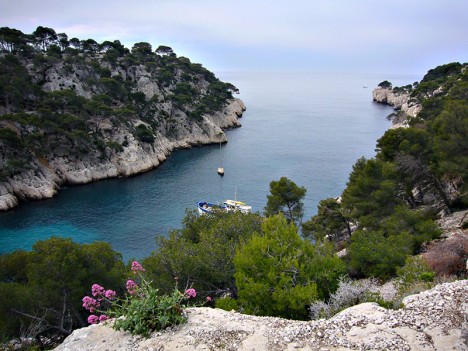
(73, 112)
(432, 320)
(46, 176)
(401, 101)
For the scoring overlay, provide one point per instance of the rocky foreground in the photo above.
(432, 320)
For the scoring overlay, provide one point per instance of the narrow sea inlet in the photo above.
(309, 127)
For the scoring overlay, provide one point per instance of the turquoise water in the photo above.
(310, 128)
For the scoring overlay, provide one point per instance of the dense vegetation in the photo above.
(41, 290)
(418, 172)
(249, 262)
(63, 97)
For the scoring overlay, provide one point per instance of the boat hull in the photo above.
(235, 206)
(204, 207)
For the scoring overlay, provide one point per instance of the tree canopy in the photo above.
(42, 290)
(202, 252)
(279, 274)
(286, 198)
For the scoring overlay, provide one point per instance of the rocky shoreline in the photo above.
(400, 101)
(431, 320)
(46, 176)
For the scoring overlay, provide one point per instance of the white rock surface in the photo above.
(432, 320)
(399, 101)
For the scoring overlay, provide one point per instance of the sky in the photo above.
(398, 36)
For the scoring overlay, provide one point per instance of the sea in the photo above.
(310, 127)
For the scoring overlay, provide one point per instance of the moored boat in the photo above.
(207, 207)
(234, 205)
(220, 168)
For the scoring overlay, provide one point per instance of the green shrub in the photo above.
(143, 310)
(144, 134)
(202, 252)
(114, 145)
(415, 272)
(372, 254)
(46, 284)
(279, 274)
(385, 84)
(227, 304)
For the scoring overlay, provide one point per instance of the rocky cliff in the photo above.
(45, 177)
(432, 320)
(400, 101)
(73, 115)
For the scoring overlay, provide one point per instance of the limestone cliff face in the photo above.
(400, 101)
(46, 176)
(106, 114)
(432, 320)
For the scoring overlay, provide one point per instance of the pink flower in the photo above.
(90, 304)
(103, 318)
(96, 290)
(136, 267)
(208, 299)
(131, 286)
(110, 294)
(93, 319)
(190, 293)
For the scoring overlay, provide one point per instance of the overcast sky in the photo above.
(398, 36)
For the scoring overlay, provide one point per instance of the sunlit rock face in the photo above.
(431, 320)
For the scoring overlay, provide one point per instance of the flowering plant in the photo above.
(143, 309)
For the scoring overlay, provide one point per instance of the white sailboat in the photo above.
(235, 206)
(220, 168)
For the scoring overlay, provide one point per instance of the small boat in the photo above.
(220, 168)
(364, 86)
(234, 206)
(206, 207)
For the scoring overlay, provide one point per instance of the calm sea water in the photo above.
(309, 127)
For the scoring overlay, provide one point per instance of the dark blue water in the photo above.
(310, 128)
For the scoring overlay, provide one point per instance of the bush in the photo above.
(372, 254)
(227, 304)
(349, 293)
(385, 84)
(114, 145)
(41, 290)
(448, 257)
(279, 274)
(202, 252)
(415, 272)
(142, 310)
(144, 134)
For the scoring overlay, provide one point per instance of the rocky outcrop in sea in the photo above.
(431, 320)
(400, 101)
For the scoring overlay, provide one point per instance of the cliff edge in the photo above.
(431, 320)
